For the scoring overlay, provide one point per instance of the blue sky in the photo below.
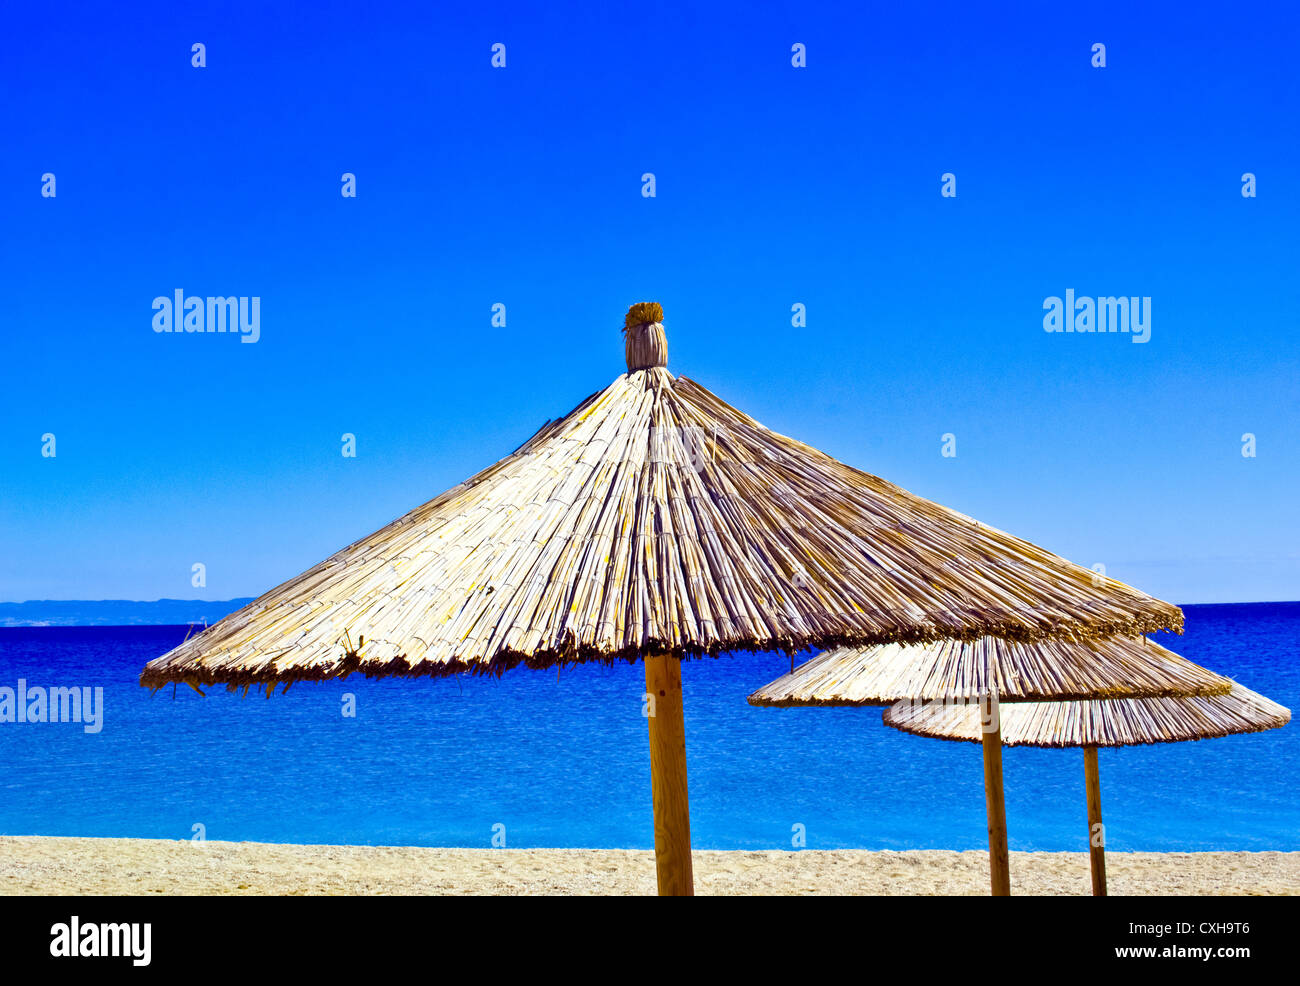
(522, 186)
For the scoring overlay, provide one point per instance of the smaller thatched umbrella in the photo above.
(987, 671)
(1117, 722)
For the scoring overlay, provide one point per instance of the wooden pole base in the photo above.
(999, 860)
(663, 682)
(1096, 830)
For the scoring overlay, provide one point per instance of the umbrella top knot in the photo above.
(646, 345)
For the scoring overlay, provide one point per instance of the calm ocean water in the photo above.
(562, 760)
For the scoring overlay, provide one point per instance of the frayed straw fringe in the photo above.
(654, 517)
(1118, 722)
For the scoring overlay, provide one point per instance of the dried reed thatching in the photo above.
(955, 671)
(1116, 722)
(654, 517)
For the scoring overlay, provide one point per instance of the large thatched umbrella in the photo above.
(980, 675)
(654, 522)
(1113, 722)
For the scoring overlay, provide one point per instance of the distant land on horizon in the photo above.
(115, 612)
(176, 612)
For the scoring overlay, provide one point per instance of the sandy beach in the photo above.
(41, 865)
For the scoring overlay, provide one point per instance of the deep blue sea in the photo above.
(561, 760)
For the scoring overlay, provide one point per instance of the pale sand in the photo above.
(40, 865)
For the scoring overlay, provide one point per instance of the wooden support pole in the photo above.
(1096, 831)
(663, 682)
(999, 862)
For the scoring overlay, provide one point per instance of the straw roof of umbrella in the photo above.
(957, 671)
(1115, 722)
(654, 517)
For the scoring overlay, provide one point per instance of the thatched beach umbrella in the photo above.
(982, 674)
(1113, 722)
(654, 522)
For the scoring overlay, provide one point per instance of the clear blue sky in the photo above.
(522, 185)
